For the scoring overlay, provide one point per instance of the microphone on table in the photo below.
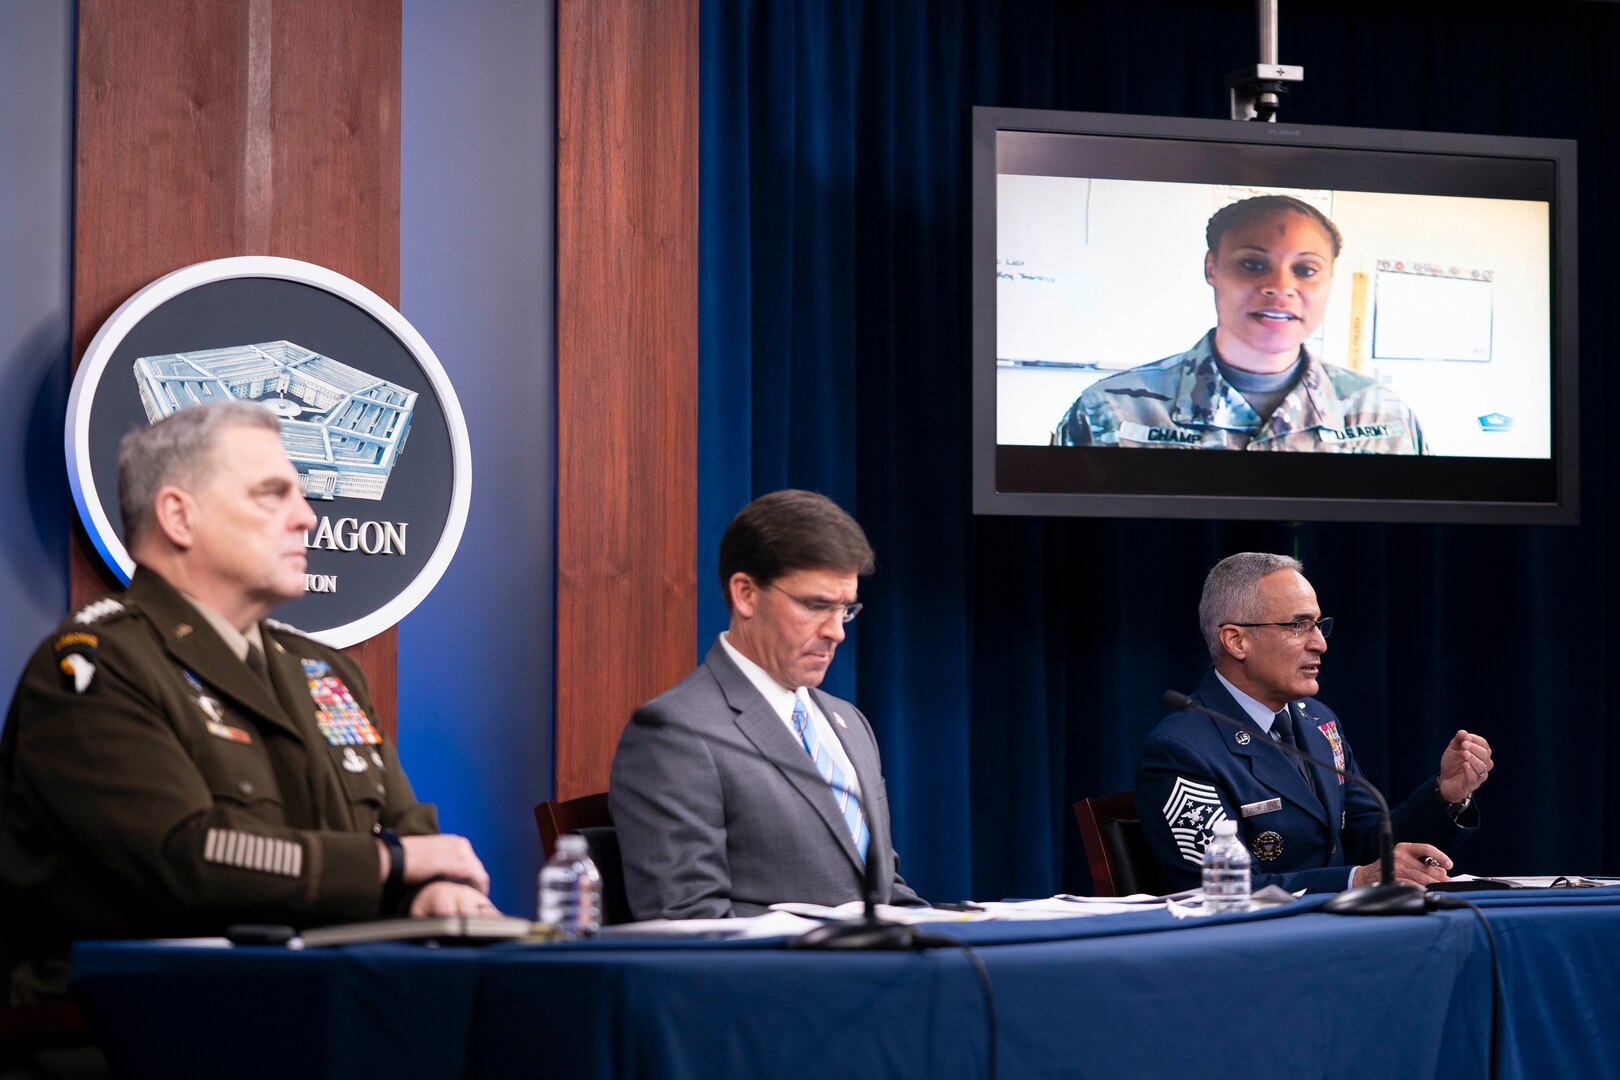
(1388, 897)
(868, 932)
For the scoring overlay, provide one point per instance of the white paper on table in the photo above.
(772, 924)
(1541, 882)
(854, 909)
(1064, 907)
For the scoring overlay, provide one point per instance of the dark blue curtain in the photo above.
(1010, 665)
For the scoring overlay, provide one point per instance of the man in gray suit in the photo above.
(743, 786)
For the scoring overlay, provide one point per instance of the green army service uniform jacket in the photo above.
(152, 784)
(1183, 401)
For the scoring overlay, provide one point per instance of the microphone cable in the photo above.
(1448, 902)
(939, 941)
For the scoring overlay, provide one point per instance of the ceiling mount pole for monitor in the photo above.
(1257, 91)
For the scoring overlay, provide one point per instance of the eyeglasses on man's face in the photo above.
(1297, 628)
(820, 609)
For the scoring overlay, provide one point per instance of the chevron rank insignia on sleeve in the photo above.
(1191, 811)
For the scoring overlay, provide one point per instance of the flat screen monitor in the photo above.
(1384, 330)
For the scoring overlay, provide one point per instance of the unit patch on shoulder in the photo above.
(76, 660)
(1191, 811)
(78, 673)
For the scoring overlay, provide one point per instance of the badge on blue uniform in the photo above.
(1268, 845)
(1191, 811)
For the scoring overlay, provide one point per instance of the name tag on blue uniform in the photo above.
(1266, 807)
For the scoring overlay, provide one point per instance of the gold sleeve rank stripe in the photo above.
(266, 854)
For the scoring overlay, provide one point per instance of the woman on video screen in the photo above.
(1250, 383)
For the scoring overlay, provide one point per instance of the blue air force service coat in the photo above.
(1196, 771)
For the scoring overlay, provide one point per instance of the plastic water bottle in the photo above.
(571, 889)
(1226, 871)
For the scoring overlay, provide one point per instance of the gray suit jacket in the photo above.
(721, 812)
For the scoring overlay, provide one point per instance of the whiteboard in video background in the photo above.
(1097, 276)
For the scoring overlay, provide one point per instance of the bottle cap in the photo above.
(1226, 827)
(572, 844)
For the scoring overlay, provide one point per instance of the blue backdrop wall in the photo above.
(476, 215)
(36, 196)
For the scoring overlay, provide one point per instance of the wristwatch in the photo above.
(1455, 809)
(396, 858)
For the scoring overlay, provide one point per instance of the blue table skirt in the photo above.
(1288, 992)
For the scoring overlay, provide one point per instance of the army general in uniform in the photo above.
(173, 762)
(1250, 383)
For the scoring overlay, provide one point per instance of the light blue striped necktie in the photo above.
(849, 804)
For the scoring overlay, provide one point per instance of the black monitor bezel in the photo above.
(1048, 481)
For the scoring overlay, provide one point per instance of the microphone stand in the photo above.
(1388, 897)
(867, 932)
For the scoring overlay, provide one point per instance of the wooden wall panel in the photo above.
(627, 171)
(213, 128)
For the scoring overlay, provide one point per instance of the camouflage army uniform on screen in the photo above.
(1183, 401)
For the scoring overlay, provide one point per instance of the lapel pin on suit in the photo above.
(839, 720)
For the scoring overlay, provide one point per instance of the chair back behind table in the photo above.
(588, 816)
(1117, 851)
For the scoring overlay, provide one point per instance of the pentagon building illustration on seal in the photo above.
(343, 428)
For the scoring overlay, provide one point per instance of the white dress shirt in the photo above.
(780, 699)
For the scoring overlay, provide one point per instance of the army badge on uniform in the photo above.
(1243, 738)
(214, 713)
(341, 720)
(1268, 845)
(99, 610)
(1336, 741)
(353, 762)
(76, 660)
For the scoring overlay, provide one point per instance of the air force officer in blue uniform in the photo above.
(1304, 826)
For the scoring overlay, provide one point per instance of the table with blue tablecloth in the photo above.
(1285, 992)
